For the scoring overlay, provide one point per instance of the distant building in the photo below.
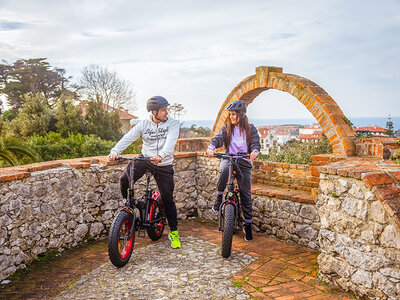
(263, 131)
(127, 120)
(370, 130)
(276, 135)
(310, 133)
(313, 137)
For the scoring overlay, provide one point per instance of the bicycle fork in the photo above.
(221, 213)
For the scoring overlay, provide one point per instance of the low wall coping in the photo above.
(382, 177)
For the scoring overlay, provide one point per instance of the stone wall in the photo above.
(57, 205)
(288, 176)
(382, 147)
(58, 208)
(285, 217)
(359, 241)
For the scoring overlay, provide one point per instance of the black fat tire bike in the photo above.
(150, 216)
(230, 215)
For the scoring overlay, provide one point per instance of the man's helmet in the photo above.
(156, 102)
(238, 106)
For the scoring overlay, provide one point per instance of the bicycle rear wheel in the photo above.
(120, 245)
(155, 231)
(228, 229)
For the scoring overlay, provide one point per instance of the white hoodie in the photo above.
(158, 139)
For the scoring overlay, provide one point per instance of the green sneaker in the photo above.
(174, 238)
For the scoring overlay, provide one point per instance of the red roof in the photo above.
(371, 129)
(263, 131)
(123, 115)
(315, 136)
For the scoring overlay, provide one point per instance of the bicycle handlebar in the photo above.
(121, 158)
(229, 155)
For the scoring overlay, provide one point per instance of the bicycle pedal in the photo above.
(141, 231)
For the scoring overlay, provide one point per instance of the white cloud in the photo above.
(195, 52)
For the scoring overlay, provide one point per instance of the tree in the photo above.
(68, 117)
(32, 76)
(13, 151)
(34, 117)
(101, 85)
(102, 123)
(201, 131)
(389, 127)
(177, 111)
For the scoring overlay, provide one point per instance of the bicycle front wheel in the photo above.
(228, 229)
(155, 231)
(120, 244)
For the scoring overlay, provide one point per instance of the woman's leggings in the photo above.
(243, 175)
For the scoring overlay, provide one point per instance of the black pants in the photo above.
(164, 176)
(243, 174)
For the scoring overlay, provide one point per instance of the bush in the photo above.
(53, 146)
(295, 152)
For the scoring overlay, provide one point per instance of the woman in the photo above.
(237, 135)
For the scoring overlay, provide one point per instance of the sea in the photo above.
(357, 121)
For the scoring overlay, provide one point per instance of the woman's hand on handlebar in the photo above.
(210, 152)
(112, 157)
(253, 155)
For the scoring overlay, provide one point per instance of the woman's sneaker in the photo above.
(174, 238)
(249, 235)
(217, 203)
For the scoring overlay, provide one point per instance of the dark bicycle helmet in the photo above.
(156, 102)
(238, 105)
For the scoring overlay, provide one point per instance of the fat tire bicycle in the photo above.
(150, 216)
(230, 212)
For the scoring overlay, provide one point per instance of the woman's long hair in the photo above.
(244, 126)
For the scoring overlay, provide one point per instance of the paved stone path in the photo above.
(195, 271)
(265, 268)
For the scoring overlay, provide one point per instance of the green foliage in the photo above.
(200, 131)
(34, 118)
(348, 121)
(53, 146)
(102, 123)
(8, 115)
(14, 152)
(68, 117)
(295, 152)
(32, 76)
(364, 135)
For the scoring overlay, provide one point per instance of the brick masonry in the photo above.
(315, 99)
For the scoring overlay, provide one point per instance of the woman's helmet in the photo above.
(156, 102)
(238, 106)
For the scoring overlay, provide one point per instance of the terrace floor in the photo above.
(266, 268)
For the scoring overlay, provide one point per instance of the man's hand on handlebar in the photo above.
(112, 157)
(210, 152)
(156, 160)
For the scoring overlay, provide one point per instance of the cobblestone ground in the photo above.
(266, 268)
(195, 271)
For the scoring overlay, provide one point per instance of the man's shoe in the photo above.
(249, 234)
(217, 203)
(174, 238)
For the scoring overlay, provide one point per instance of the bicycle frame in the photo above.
(232, 195)
(144, 205)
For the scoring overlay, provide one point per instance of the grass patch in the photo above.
(71, 283)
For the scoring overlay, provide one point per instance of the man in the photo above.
(159, 134)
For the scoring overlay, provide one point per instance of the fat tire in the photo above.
(229, 228)
(122, 219)
(156, 231)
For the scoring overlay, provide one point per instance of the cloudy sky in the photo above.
(194, 52)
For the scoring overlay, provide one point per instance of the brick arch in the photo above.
(315, 99)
